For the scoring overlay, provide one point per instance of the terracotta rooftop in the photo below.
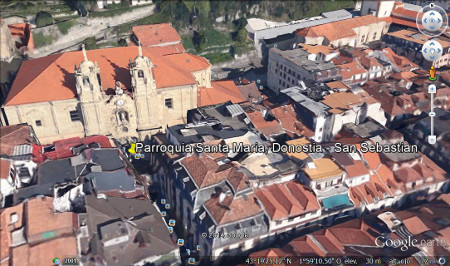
(400, 11)
(315, 49)
(250, 91)
(43, 223)
(63, 148)
(415, 225)
(44, 253)
(372, 159)
(392, 105)
(51, 78)
(351, 69)
(232, 209)
(289, 122)
(205, 171)
(370, 192)
(339, 29)
(353, 167)
(407, 75)
(22, 31)
(300, 141)
(403, 63)
(266, 127)
(156, 34)
(7, 226)
(417, 37)
(324, 168)
(288, 199)
(238, 180)
(11, 136)
(337, 85)
(304, 246)
(220, 92)
(357, 236)
(47, 232)
(342, 101)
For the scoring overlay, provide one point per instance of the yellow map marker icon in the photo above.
(132, 149)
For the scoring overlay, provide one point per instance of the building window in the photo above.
(122, 117)
(140, 74)
(86, 81)
(74, 115)
(363, 38)
(24, 172)
(14, 218)
(168, 103)
(374, 35)
(38, 123)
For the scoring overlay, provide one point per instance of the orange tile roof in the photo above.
(403, 63)
(232, 209)
(289, 121)
(400, 11)
(325, 168)
(204, 170)
(352, 232)
(50, 78)
(166, 50)
(415, 225)
(403, 75)
(238, 180)
(372, 159)
(368, 191)
(417, 37)
(337, 85)
(300, 141)
(350, 69)
(339, 29)
(43, 222)
(406, 175)
(304, 246)
(342, 100)
(156, 34)
(221, 91)
(264, 126)
(6, 227)
(43, 254)
(315, 49)
(189, 62)
(287, 200)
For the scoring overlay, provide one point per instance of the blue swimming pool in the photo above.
(340, 200)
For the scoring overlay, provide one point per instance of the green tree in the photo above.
(241, 36)
(43, 19)
(90, 43)
(199, 40)
(240, 23)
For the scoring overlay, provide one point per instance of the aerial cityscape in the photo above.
(245, 132)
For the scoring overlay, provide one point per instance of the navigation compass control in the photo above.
(432, 50)
(432, 20)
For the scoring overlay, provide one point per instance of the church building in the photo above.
(120, 92)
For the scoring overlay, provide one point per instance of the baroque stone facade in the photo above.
(138, 111)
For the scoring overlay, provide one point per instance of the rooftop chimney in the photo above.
(222, 196)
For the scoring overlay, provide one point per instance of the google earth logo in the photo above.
(56, 261)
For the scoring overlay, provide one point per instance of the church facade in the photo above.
(112, 95)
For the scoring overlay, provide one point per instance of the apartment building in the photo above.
(288, 68)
